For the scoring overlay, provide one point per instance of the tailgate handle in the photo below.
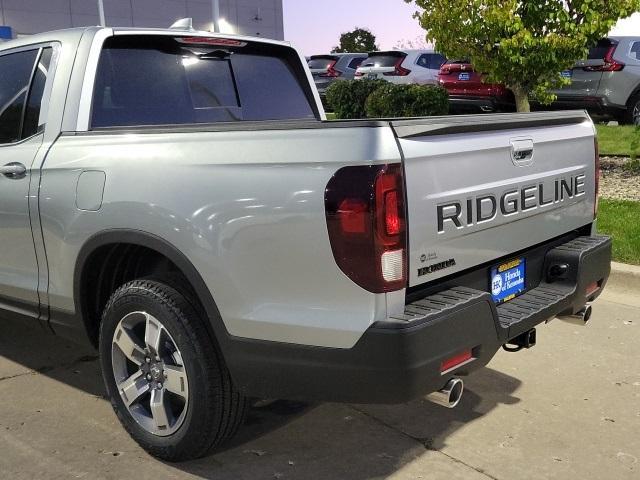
(522, 152)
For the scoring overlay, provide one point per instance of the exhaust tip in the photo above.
(450, 395)
(581, 317)
(456, 387)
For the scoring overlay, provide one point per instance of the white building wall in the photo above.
(263, 18)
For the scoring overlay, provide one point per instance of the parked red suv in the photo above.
(468, 91)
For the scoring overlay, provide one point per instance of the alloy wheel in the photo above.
(149, 373)
(636, 114)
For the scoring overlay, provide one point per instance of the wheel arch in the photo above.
(151, 242)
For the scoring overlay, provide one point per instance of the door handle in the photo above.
(13, 170)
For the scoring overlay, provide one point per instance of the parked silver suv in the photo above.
(608, 81)
(326, 69)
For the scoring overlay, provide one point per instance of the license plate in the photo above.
(566, 74)
(464, 76)
(372, 76)
(508, 280)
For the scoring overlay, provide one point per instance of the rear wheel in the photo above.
(165, 377)
(631, 115)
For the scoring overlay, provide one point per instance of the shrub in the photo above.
(391, 100)
(347, 98)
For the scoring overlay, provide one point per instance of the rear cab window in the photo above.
(151, 80)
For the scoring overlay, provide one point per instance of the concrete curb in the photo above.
(624, 276)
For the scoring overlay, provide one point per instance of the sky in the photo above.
(315, 25)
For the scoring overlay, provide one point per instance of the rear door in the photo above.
(323, 69)
(22, 86)
(427, 68)
(483, 188)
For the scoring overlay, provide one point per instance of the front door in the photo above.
(22, 85)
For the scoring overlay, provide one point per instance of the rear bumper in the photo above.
(469, 103)
(400, 358)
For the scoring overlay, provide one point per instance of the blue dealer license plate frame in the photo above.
(508, 280)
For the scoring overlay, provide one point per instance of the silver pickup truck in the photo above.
(177, 199)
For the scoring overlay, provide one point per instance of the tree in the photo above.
(524, 44)
(418, 43)
(361, 40)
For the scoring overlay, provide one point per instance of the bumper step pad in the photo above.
(588, 261)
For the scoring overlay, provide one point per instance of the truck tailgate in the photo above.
(482, 188)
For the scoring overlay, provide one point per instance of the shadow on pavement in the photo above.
(284, 439)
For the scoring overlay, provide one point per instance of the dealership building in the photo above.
(261, 18)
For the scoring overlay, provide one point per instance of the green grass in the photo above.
(621, 220)
(615, 140)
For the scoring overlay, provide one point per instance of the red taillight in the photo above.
(331, 71)
(359, 74)
(597, 177)
(399, 71)
(445, 70)
(610, 65)
(456, 361)
(391, 213)
(366, 221)
(353, 216)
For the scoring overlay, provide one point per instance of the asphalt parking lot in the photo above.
(569, 408)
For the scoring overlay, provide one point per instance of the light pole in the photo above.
(103, 22)
(215, 10)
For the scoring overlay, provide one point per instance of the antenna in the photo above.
(183, 24)
(103, 22)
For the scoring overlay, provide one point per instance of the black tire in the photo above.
(216, 409)
(633, 105)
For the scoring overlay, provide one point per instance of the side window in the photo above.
(635, 50)
(423, 61)
(356, 62)
(432, 61)
(436, 61)
(16, 71)
(32, 121)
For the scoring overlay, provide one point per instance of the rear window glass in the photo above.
(151, 80)
(321, 63)
(600, 50)
(356, 62)
(382, 60)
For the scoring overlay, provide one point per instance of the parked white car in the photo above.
(403, 66)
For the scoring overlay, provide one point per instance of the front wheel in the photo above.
(164, 375)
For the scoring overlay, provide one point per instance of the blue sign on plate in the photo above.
(464, 76)
(508, 280)
(566, 73)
